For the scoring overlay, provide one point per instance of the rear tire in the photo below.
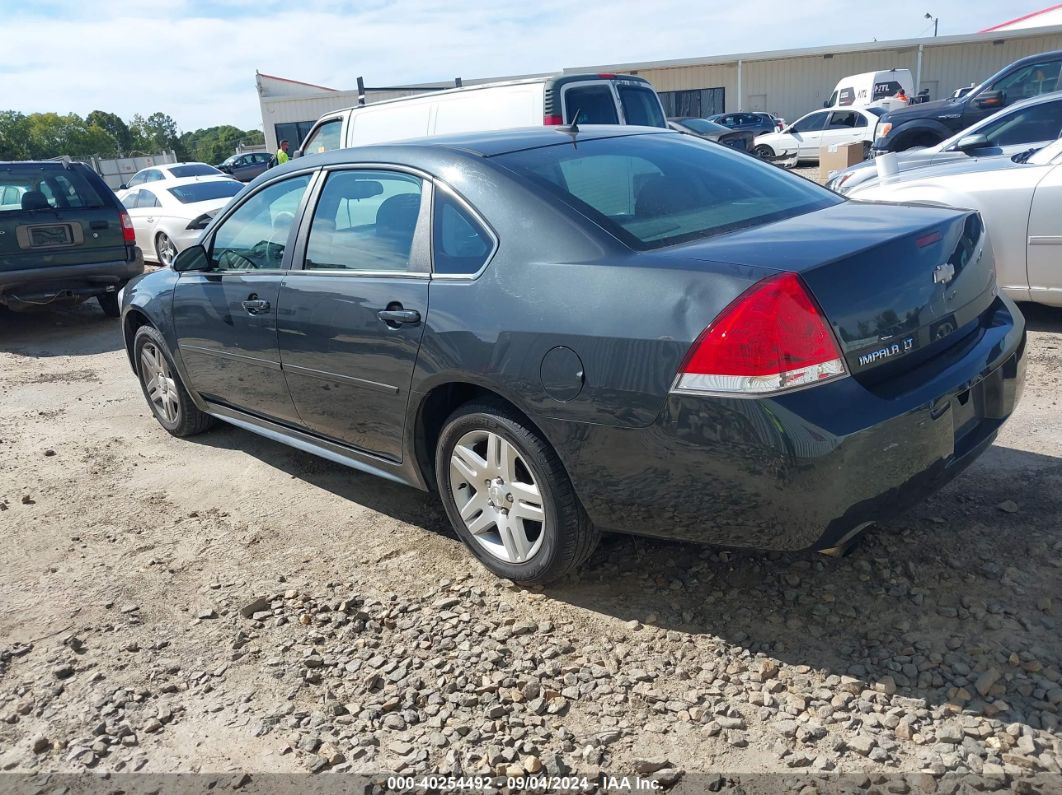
(109, 304)
(521, 516)
(866, 150)
(165, 393)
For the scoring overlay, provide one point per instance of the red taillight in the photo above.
(552, 120)
(128, 233)
(607, 76)
(772, 337)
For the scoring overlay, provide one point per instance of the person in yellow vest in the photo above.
(281, 157)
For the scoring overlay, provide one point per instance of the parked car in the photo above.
(169, 216)
(807, 134)
(710, 131)
(1031, 123)
(929, 123)
(703, 347)
(245, 166)
(170, 171)
(64, 237)
(1019, 199)
(550, 101)
(872, 89)
(756, 123)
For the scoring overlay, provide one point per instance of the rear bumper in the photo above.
(806, 469)
(75, 282)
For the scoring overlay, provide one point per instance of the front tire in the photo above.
(109, 304)
(763, 152)
(166, 395)
(508, 496)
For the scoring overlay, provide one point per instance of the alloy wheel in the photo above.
(166, 250)
(498, 496)
(159, 383)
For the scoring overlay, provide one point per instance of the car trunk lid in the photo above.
(896, 283)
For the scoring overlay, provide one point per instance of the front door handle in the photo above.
(399, 317)
(256, 306)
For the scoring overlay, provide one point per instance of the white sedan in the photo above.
(821, 128)
(1018, 198)
(169, 215)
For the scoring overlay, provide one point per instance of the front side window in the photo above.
(658, 190)
(811, 123)
(592, 104)
(641, 106)
(129, 202)
(461, 244)
(255, 236)
(1042, 122)
(1029, 81)
(364, 221)
(325, 138)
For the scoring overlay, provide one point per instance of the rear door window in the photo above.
(641, 106)
(592, 104)
(846, 120)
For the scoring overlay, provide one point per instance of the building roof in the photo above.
(1052, 15)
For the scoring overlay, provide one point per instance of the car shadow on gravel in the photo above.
(64, 331)
(400, 502)
(1042, 318)
(965, 582)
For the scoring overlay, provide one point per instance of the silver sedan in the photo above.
(169, 215)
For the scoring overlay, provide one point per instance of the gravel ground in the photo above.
(227, 604)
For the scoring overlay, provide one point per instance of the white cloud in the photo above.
(196, 61)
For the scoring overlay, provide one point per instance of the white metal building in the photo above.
(789, 83)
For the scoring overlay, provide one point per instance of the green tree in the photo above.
(113, 124)
(214, 144)
(156, 133)
(13, 134)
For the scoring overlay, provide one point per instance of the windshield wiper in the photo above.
(1023, 157)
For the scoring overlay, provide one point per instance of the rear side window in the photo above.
(657, 190)
(846, 120)
(461, 244)
(641, 106)
(206, 191)
(37, 187)
(146, 198)
(592, 104)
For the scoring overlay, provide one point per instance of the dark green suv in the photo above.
(64, 237)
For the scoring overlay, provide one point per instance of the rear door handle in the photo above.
(98, 225)
(256, 306)
(399, 317)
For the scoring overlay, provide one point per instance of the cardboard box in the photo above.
(838, 156)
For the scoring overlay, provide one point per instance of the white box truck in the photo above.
(872, 89)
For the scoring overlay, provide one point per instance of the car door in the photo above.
(1045, 238)
(145, 220)
(807, 133)
(325, 138)
(352, 308)
(225, 317)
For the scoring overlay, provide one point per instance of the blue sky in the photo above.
(196, 59)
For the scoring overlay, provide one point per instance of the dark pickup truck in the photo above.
(929, 123)
(64, 237)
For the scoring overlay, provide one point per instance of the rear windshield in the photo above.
(703, 126)
(206, 191)
(194, 170)
(35, 187)
(657, 190)
(641, 106)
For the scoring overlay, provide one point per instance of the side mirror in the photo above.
(193, 258)
(296, 153)
(970, 143)
(991, 99)
(123, 186)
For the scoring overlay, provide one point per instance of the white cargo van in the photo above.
(873, 90)
(597, 98)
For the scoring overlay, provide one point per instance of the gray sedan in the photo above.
(562, 331)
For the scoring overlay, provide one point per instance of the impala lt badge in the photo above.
(942, 274)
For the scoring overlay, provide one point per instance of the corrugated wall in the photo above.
(792, 87)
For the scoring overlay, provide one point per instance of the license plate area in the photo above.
(46, 236)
